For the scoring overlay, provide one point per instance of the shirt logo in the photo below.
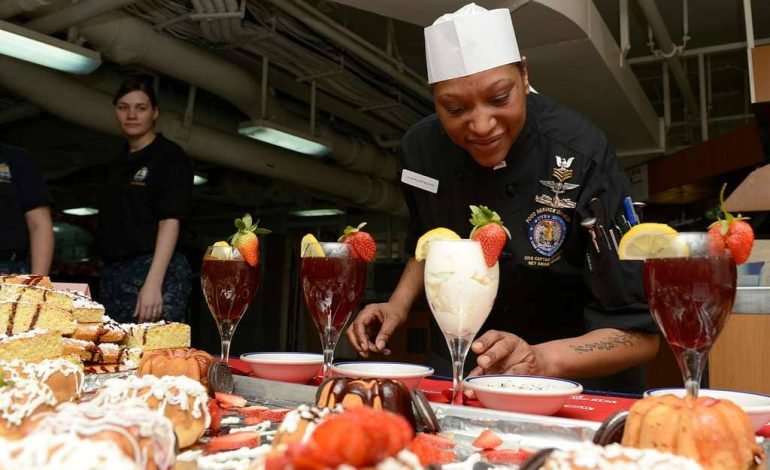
(561, 173)
(140, 176)
(426, 183)
(5, 173)
(547, 232)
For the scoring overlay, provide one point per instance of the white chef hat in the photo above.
(470, 40)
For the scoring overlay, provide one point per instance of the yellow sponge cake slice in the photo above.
(158, 335)
(26, 279)
(82, 308)
(18, 317)
(32, 346)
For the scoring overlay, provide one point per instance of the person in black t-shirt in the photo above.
(26, 230)
(539, 165)
(145, 197)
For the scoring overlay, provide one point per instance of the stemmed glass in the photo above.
(229, 285)
(333, 280)
(461, 290)
(690, 291)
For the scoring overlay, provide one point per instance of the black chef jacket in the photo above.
(542, 191)
(142, 188)
(22, 188)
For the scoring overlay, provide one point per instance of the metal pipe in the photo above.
(708, 50)
(749, 46)
(666, 96)
(356, 45)
(625, 42)
(704, 123)
(663, 38)
(78, 103)
(75, 14)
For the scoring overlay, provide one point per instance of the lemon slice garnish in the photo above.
(423, 244)
(315, 250)
(221, 244)
(650, 240)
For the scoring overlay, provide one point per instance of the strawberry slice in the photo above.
(737, 234)
(506, 456)
(254, 410)
(431, 454)
(363, 243)
(230, 400)
(233, 441)
(489, 231)
(487, 440)
(275, 415)
(216, 415)
(435, 440)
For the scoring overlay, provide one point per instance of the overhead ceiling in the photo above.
(366, 60)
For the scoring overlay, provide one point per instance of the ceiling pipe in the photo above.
(74, 14)
(663, 38)
(356, 45)
(129, 40)
(80, 104)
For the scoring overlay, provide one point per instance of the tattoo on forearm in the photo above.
(621, 338)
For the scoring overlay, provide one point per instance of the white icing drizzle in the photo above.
(132, 420)
(614, 456)
(168, 390)
(43, 451)
(43, 370)
(240, 459)
(26, 334)
(22, 397)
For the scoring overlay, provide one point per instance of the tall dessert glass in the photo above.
(690, 292)
(461, 290)
(229, 285)
(333, 280)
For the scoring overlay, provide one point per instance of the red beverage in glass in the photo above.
(332, 288)
(229, 287)
(333, 279)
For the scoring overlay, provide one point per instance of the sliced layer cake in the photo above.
(104, 353)
(107, 331)
(158, 335)
(32, 346)
(82, 308)
(18, 317)
(26, 279)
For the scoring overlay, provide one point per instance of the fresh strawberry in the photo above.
(506, 456)
(216, 416)
(276, 415)
(363, 243)
(341, 439)
(487, 440)
(736, 232)
(254, 410)
(229, 400)
(435, 440)
(430, 454)
(246, 240)
(277, 460)
(233, 441)
(488, 230)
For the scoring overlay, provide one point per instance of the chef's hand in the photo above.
(372, 328)
(149, 303)
(505, 353)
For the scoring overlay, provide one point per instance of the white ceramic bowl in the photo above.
(410, 374)
(523, 393)
(756, 405)
(284, 366)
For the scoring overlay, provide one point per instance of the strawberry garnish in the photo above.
(487, 440)
(216, 415)
(254, 410)
(233, 441)
(230, 400)
(737, 234)
(429, 453)
(506, 456)
(488, 229)
(362, 243)
(245, 239)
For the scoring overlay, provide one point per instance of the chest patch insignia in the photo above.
(5, 173)
(140, 176)
(546, 233)
(559, 186)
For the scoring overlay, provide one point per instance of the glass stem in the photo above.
(692, 363)
(226, 330)
(328, 342)
(458, 348)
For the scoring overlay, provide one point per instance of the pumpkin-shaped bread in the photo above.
(380, 394)
(715, 433)
(189, 362)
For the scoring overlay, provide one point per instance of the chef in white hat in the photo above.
(565, 307)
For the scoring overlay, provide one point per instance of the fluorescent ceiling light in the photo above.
(272, 133)
(41, 49)
(317, 212)
(81, 211)
(199, 179)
